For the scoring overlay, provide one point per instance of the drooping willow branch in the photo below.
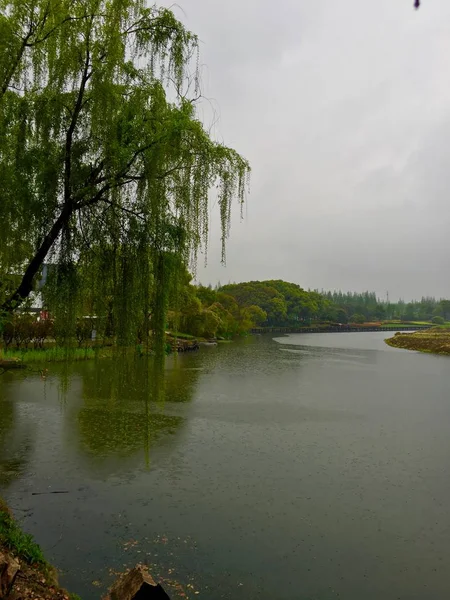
(103, 173)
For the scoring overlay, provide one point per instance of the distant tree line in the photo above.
(224, 311)
(236, 308)
(368, 306)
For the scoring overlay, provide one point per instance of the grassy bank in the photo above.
(36, 578)
(54, 354)
(399, 324)
(20, 544)
(435, 341)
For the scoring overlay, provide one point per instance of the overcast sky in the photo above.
(343, 109)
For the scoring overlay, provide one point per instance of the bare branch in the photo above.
(124, 209)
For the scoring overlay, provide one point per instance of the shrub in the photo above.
(358, 318)
(438, 320)
(41, 331)
(8, 333)
(21, 544)
(83, 330)
(22, 329)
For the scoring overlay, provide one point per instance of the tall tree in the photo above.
(100, 146)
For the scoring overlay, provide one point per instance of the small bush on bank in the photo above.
(357, 318)
(22, 331)
(438, 320)
(19, 543)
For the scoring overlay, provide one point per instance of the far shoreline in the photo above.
(432, 341)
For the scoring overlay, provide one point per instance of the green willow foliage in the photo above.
(104, 168)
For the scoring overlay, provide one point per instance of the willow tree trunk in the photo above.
(26, 285)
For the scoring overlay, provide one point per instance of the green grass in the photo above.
(19, 543)
(22, 546)
(400, 324)
(50, 354)
(181, 336)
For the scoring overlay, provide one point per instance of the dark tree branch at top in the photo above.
(26, 284)
(85, 76)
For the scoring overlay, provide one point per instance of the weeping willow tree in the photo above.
(105, 169)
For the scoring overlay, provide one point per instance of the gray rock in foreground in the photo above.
(137, 584)
(9, 567)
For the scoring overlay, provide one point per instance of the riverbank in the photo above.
(26, 575)
(435, 341)
(51, 353)
(24, 572)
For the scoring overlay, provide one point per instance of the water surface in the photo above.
(308, 467)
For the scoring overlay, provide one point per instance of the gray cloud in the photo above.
(343, 109)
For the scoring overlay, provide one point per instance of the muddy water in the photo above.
(309, 467)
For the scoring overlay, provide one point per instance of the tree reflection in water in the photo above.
(16, 434)
(126, 405)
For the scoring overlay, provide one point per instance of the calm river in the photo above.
(307, 467)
